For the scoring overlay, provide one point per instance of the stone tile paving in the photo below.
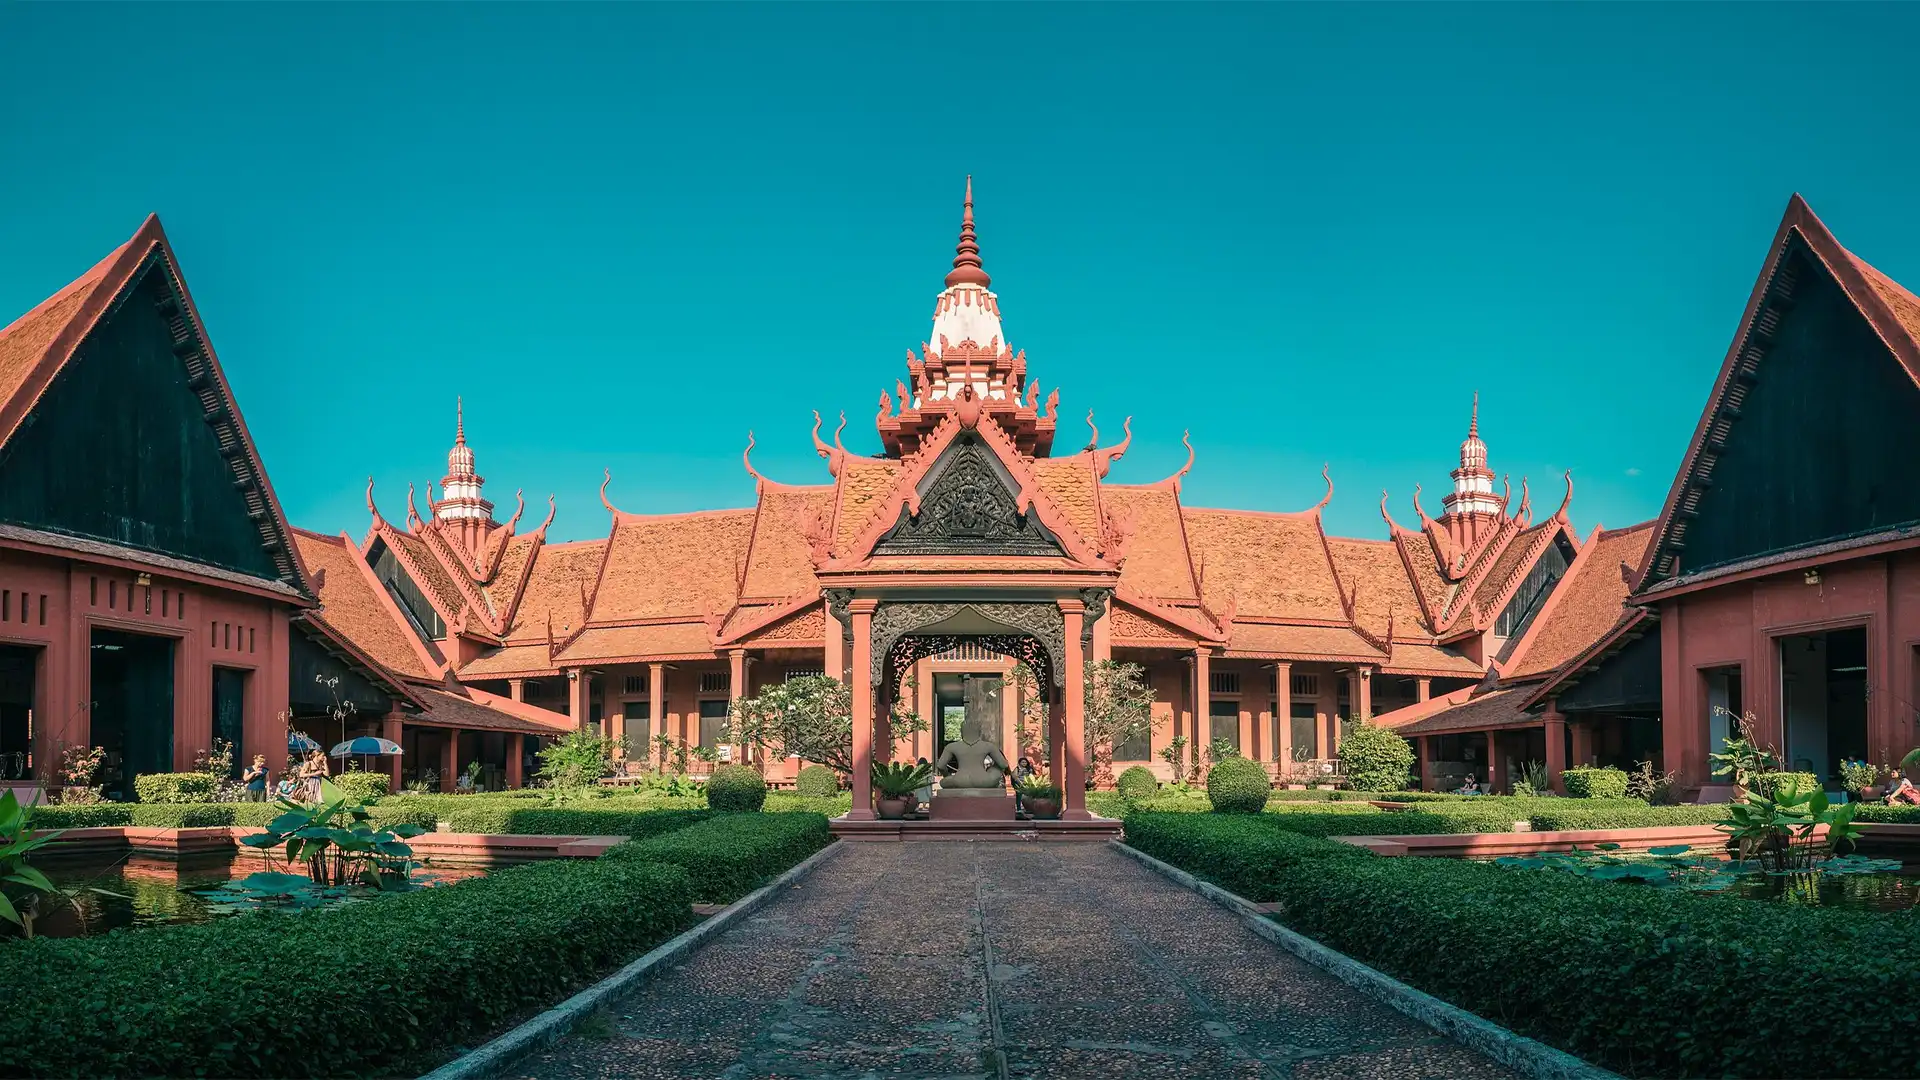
(1001, 961)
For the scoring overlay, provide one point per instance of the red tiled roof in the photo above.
(1270, 565)
(1072, 486)
(679, 564)
(1514, 559)
(664, 640)
(1417, 659)
(527, 660)
(1376, 577)
(1588, 603)
(425, 569)
(478, 709)
(1299, 643)
(1158, 563)
(1463, 710)
(780, 557)
(1417, 552)
(351, 606)
(561, 573)
(24, 342)
(510, 575)
(864, 482)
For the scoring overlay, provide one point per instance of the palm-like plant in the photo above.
(17, 839)
(897, 780)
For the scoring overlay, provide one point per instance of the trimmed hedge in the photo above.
(1110, 804)
(1244, 854)
(730, 855)
(174, 787)
(577, 819)
(781, 802)
(1585, 782)
(1137, 783)
(1236, 785)
(375, 984)
(363, 785)
(1375, 758)
(191, 815)
(1315, 795)
(1768, 781)
(1904, 815)
(817, 781)
(1569, 814)
(736, 789)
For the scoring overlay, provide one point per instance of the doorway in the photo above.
(132, 707)
(16, 711)
(959, 697)
(1823, 692)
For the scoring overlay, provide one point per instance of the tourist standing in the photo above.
(255, 779)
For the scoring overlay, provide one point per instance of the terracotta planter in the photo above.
(892, 809)
(1872, 793)
(1044, 809)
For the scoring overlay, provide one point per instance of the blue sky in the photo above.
(629, 234)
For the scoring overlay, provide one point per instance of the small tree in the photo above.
(811, 718)
(1119, 709)
(1376, 759)
(577, 759)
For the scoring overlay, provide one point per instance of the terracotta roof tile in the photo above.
(1299, 642)
(680, 564)
(863, 483)
(25, 341)
(780, 560)
(1588, 604)
(1005, 563)
(505, 586)
(1272, 565)
(527, 660)
(1157, 561)
(349, 604)
(424, 567)
(1416, 659)
(1463, 710)
(1428, 579)
(1373, 573)
(639, 642)
(1905, 306)
(1070, 483)
(479, 709)
(561, 573)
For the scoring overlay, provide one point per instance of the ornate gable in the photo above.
(967, 504)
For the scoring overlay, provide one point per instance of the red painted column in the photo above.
(1074, 805)
(1056, 739)
(1428, 744)
(390, 730)
(578, 683)
(737, 689)
(449, 758)
(1496, 765)
(1202, 700)
(1365, 707)
(656, 703)
(1556, 722)
(516, 751)
(517, 689)
(861, 612)
(834, 657)
(1422, 688)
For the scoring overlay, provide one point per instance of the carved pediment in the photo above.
(968, 505)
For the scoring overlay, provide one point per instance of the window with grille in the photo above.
(971, 651)
(1225, 682)
(1306, 685)
(1223, 723)
(636, 684)
(713, 723)
(716, 682)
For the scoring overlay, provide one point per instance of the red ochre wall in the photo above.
(1738, 624)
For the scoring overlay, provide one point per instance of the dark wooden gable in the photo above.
(968, 506)
(123, 446)
(1626, 679)
(1815, 440)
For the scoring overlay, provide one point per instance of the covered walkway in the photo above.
(999, 960)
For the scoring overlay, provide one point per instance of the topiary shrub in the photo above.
(362, 785)
(1137, 783)
(736, 789)
(1375, 759)
(174, 787)
(817, 782)
(1767, 783)
(1238, 786)
(1586, 782)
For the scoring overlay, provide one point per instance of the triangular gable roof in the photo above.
(1265, 565)
(353, 603)
(1893, 313)
(36, 347)
(1586, 605)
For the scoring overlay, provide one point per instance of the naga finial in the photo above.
(1175, 479)
(746, 458)
(1326, 473)
(1103, 459)
(519, 505)
(832, 455)
(413, 512)
(552, 507)
(605, 480)
(371, 508)
(1561, 514)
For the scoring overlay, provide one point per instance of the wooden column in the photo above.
(1582, 742)
(1428, 746)
(1283, 717)
(862, 675)
(449, 758)
(1202, 699)
(516, 754)
(737, 689)
(1074, 779)
(1422, 688)
(656, 700)
(1556, 723)
(517, 689)
(834, 660)
(390, 730)
(1496, 765)
(1363, 707)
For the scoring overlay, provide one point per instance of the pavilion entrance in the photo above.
(132, 681)
(1823, 688)
(16, 711)
(960, 696)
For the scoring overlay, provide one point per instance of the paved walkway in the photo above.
(998, 960)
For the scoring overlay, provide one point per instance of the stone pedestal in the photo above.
(971, 808)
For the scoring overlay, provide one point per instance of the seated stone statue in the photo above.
(972, 766)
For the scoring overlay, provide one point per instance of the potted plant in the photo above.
(1862, 780)
(895, 787)
(1040, 797)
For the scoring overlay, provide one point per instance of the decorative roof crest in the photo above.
(1103, 459)
(1326, 473)
(1560, 515)
(605, 480)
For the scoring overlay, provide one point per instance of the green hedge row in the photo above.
(1565, 814)
(1646, 982)
(193, 815)
(582, 819)
(1907, 815)
(730, 855)
(174, 787)
(354, 990)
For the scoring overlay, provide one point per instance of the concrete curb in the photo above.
(1526, 1056)
(496, 1056)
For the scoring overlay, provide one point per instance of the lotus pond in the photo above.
(100, 895)
(1846, 881)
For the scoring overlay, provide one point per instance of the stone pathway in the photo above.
(999, 961)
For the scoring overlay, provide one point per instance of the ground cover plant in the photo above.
(1647, 982)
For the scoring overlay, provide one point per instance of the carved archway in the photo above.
(904, 631)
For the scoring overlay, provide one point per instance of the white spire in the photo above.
(460, 488)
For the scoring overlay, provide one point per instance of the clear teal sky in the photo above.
(628, 234)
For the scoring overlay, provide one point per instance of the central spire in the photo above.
(967, 268)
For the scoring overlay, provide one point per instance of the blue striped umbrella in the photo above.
(366, 744)
(297, 741)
